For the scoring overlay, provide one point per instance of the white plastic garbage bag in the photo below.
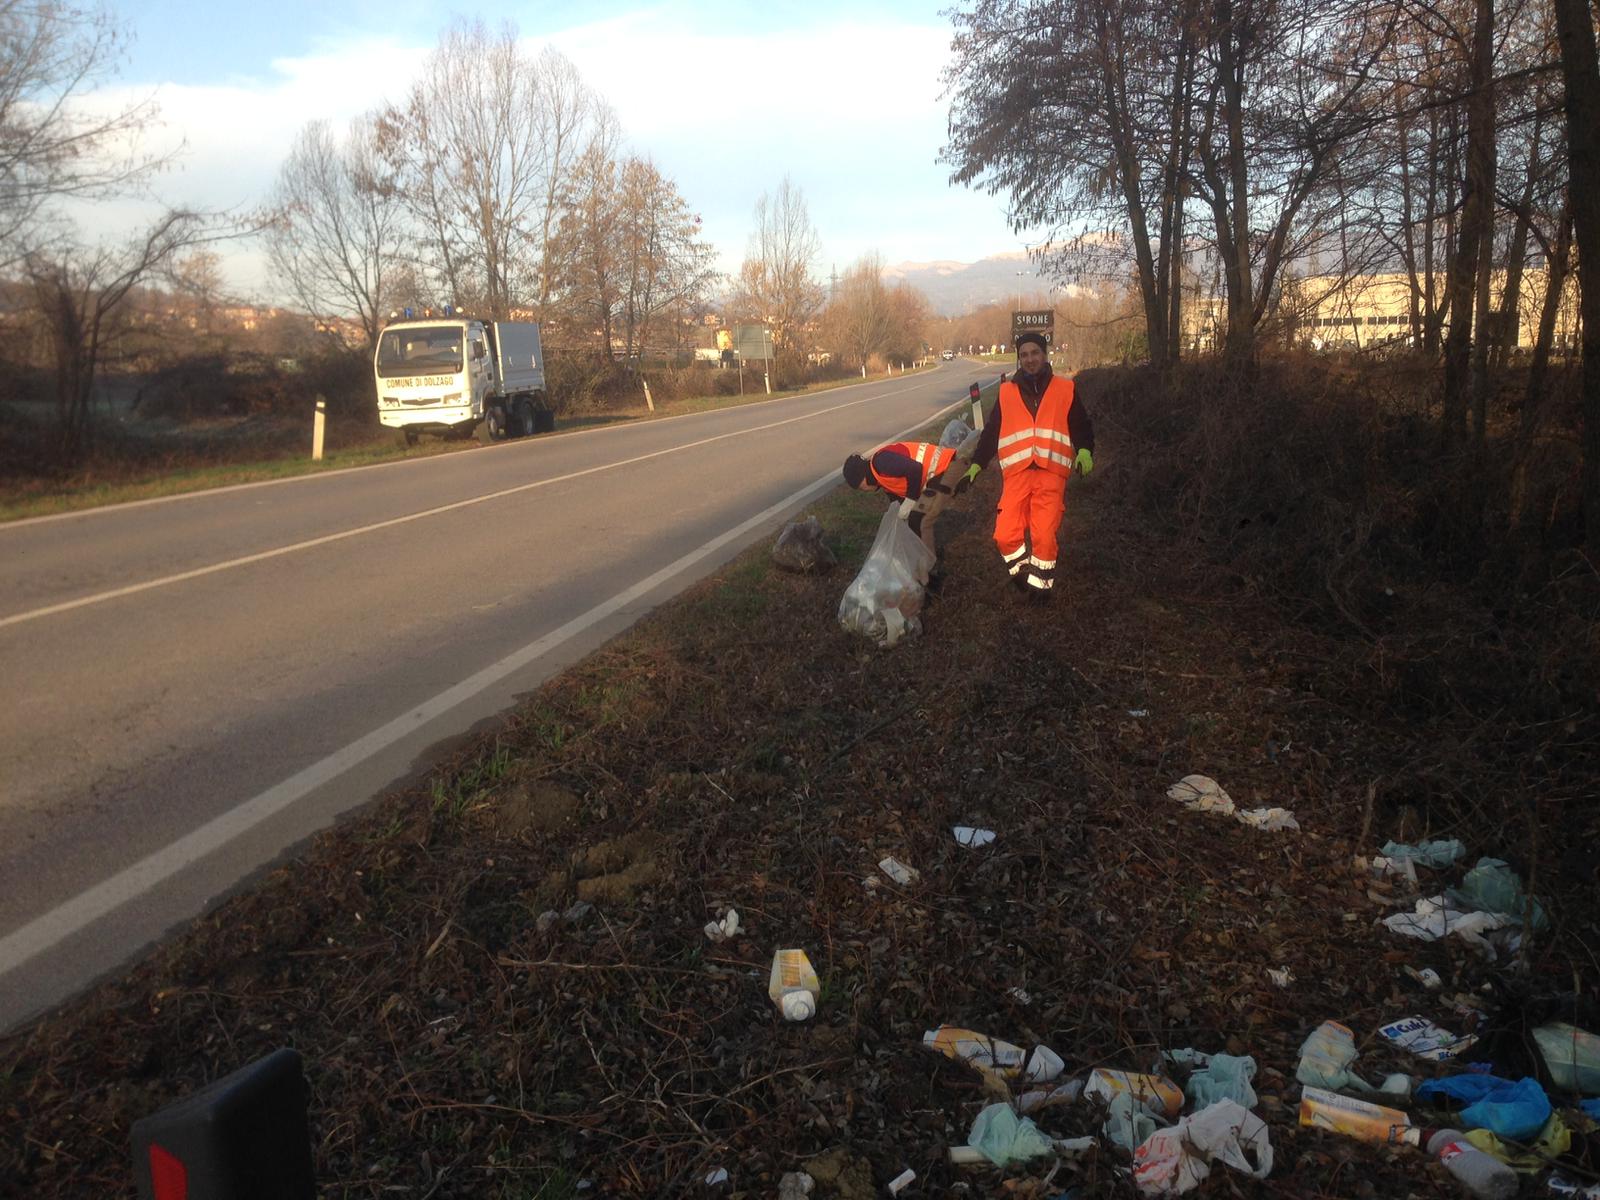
(954, 434)
(1175, 1160)
(884, 602)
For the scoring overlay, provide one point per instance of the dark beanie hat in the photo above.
(1036, 338)
(855, 470)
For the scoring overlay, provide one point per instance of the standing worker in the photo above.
(1040, 430)
(902, 469)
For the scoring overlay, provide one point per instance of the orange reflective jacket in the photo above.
(1036, 440)
(931, 458)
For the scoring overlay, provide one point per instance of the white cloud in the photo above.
(851, 111)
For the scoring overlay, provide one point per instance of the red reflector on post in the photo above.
(168, 1175)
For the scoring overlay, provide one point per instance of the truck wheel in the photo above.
(409, 437)
(493, 426)
(524, 421)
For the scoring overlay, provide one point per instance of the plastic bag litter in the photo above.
(1492, 886)
(1572, 1056)
(884, 602)
(956, 432)
(1216, 1077)
(1005, 1138)
(1554, 1140)
(1201, 793)
(1173, 1161)
(1326, 1057)
(1428, 854)
(1420, 1036)
(966, 835)
(1270, 819)
(1560, 1185)
(800, 547)
(1512, 1110)
(1435, 917)
(1128, 1123)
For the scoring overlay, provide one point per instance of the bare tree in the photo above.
(569, 114)
(665, 262)
(338, 224)
(484, 146)
(51, 145)
(1580, 68)
(1080, 110)
(589, 245)
(776, 285)
(867, 320)
(78, 292)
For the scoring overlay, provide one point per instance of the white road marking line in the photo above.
(244, 561)
(88, 906)
(198, 493)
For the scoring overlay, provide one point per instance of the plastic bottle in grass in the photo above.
(1485, 1176)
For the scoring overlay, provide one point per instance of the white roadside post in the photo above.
(318, 427)
(651, 403)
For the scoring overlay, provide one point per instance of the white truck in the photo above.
(456, 376)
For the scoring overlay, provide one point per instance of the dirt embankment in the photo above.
(738, 749)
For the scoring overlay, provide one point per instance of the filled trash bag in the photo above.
(800, 547)
(884, 602)
(956, 432)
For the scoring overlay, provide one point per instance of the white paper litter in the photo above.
(966, 835)
(724, 930)
(1420, 1036)
(898, 871)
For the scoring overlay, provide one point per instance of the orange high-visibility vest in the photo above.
(1029, 440)
(932, 459)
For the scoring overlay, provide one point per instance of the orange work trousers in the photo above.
(1025, 524)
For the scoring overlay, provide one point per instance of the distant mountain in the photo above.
(953, 288)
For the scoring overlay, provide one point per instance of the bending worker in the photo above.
(1039, 430)
(902, 469)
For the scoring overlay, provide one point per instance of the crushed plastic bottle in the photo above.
(793, 985)
(1485, 1177)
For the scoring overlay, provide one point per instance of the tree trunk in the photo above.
(1579, 66)
(1517, 252)
(1241, 298)
(1555, 284)
(1477, 217)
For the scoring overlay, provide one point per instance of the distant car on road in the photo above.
(948, 355)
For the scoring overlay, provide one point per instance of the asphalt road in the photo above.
(193, 686)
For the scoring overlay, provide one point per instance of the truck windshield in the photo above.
(419, 349)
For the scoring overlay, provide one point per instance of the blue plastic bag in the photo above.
(1511, 1110)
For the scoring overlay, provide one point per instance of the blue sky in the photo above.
(727, 98)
